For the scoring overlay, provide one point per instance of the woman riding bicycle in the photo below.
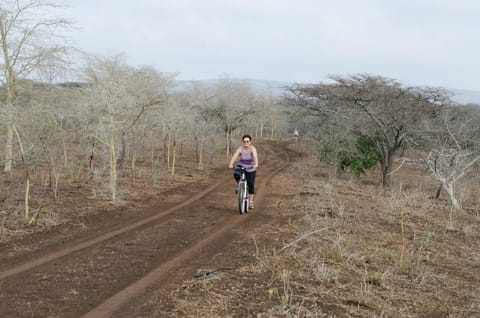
(248, 159)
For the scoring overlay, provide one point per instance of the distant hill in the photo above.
(461, 96)
(276, 88)
(464, 96)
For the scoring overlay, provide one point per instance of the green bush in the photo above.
(366, 157)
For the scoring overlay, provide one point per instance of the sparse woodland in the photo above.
(112, 124)
(114, 116)
(364, 122)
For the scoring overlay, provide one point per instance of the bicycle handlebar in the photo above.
(243, 168)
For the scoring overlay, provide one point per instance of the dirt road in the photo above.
(110, 267)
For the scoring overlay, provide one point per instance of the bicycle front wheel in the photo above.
(242, 197)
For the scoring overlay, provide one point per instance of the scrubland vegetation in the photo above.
(349, 249)
(385, 223)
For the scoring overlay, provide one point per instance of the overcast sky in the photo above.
(417, 42)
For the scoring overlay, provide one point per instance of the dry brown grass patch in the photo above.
(354, 250)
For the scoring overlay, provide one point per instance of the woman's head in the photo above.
(246, 139)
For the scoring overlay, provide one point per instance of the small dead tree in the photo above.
(448, 166)
(451, 149)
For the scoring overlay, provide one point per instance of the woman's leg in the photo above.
(236, 176)
(251, 184)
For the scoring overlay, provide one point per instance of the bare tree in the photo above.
(200, 100)
(449, 148)
(147, 91)
(174, 121)
(49, 120)
(27, 35)
(267, 113)
(118, 104)
(234, 104)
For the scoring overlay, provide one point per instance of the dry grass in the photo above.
(354, 250)
(80, 194)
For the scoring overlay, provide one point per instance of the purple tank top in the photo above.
(246, 160)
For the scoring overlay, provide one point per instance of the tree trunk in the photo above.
(10, 124)
(9, 148)
(133, 160)
(197, 149)
(167, 150)
(174, 153)
(65, 154)
(227, 142)
(386, 178)
(10, 98)
(439, 190)
(386, 170)
(113, 163)
(123, 152)
(90, 159)
(450, 189)
(272, 133)
(201, 151)
(27, 174)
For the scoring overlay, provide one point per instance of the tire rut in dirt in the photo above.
(114, 303)
(237, 249)
(41, 259)
(78, 281)
(221, 257)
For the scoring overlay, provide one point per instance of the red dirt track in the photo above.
(112, 268)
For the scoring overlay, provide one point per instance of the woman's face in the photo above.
(246, 142)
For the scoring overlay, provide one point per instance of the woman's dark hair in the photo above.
(247, 136)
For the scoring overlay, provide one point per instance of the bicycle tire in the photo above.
(241, 192)
(245, 201)
(242, 197)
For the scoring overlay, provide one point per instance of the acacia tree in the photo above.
(200, 101)
(37, 133)
(147, 89)
(26, 34)
(49, 123)
(117, 105)
(234, 104)
(379, 112)
(175, 125)
(267, 113)
(154, 90)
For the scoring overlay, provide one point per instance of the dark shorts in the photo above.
(250, 176)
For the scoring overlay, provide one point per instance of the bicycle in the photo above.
(243, 205)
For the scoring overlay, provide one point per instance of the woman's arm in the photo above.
(255, 157)
(234, 158)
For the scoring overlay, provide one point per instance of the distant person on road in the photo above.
(247, 158)
(295, 135)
